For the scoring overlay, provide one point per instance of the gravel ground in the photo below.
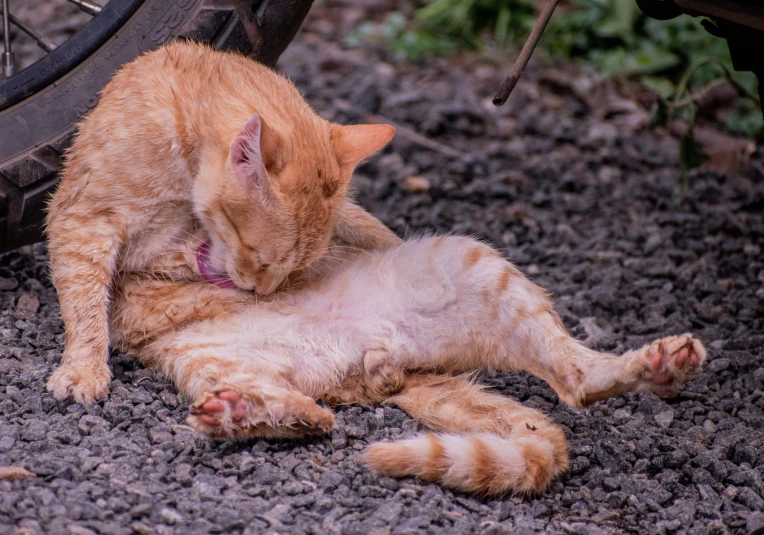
(569, 181)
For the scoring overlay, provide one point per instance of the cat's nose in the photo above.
(267, 284)
(246, 286)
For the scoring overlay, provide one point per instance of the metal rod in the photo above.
(6, 28)
(91, 8)
(43, 42)
(525, 54)
(9, 62)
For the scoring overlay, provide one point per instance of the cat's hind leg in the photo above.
(485, 443)
(508, 323)
(258, 410)
(238, 392)
(662, 367)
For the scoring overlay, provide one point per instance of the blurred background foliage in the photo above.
(611, 37)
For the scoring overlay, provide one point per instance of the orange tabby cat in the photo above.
(396, 326)
(185, 138)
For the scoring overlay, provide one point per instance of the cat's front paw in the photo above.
(226, 413)
(85, 384)
(671, 363)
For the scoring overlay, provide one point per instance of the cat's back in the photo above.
(177, 81)
(192, 94)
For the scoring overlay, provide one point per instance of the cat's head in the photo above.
(274, 210)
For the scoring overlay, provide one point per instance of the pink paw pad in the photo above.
(672, 362)
(218, 412)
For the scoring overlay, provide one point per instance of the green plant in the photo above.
(612, 37)
(616, 39)
(442, 27)
(394, 33)
(683, 104)
(465, 20)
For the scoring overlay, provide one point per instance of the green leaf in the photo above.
(660, 85)
(651, 59)
(748, 122)
(690, 154)
(659, 115)
(619, 21)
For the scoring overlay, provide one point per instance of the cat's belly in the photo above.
(324, 348)
(418, 303)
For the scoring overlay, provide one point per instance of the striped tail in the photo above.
(490, 444)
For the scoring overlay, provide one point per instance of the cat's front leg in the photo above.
(258, 409)
(146, 307)
(358, 228)
(83, 257)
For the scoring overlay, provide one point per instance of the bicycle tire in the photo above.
(35, 132)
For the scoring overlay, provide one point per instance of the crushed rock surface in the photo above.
(569, 183)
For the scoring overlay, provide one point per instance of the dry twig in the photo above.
(12, 473)
(525, 54)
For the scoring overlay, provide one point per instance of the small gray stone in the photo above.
(74, 529)
(27, 306)
(34, 430)
(6, 443)
(184, 474)
(718, 365)
(339, 438)
(281, 512)
(759, 375)
(750, 499)
(170, 516)
(755, 524)
(664, 419)
(91, 425)
(160, 435)
(142, 509)
(8, 284)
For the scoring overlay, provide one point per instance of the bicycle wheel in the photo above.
(41, 105)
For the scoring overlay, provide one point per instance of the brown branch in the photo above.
(417, 138)
(525, 54)
(403, 131)
(698, 95)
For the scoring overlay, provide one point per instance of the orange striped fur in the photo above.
(188, 140)
(401, 326)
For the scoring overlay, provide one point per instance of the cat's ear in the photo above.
(356, 142)
(255, 155)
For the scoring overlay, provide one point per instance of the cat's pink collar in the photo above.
(206, 269)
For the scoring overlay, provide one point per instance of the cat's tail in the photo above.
(483, 464)
(489, 444)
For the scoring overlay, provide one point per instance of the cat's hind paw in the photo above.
(382, 376)
(219, 415)
(226, 413)
(85, 384)
(671, 363)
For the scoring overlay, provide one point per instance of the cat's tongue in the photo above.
(208, 272)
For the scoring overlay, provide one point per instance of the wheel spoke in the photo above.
(9, 62)
(43, 42)
(91, 8)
